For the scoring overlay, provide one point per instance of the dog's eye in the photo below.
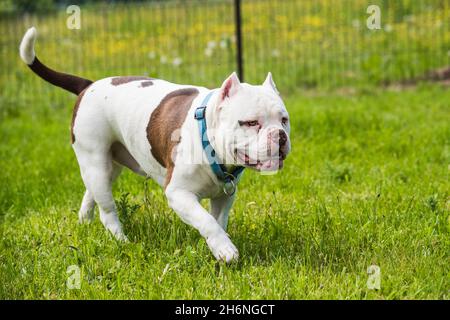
(284, 120)
(251, 123)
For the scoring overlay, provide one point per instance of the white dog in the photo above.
(192, 141)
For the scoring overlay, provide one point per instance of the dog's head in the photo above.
(252, 125)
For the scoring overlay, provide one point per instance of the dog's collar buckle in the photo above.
(200, 113)
(229, 187)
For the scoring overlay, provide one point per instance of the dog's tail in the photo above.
(68, 82)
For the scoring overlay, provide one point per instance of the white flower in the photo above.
(212, 44)
(275, 53)
(177, 61)
(208, 52)
(223, 44)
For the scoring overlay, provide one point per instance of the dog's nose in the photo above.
(282, 136)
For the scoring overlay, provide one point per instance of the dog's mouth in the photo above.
(271, 164)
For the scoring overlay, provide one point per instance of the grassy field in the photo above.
(367, 183)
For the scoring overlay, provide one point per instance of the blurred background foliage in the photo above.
(46, 6)
(319, 44)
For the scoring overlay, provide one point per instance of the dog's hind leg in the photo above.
(86, 213)
(98, 172)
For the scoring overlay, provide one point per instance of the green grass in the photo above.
(367, 183)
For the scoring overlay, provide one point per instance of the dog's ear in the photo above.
(230, 86)
(269, 83)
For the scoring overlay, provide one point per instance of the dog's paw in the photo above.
(120, 236)
(85, 216)
(222, 248)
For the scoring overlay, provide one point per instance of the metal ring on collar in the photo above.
(229, 187)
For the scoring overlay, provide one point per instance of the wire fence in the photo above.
(304, 43)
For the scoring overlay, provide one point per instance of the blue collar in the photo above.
(228, 178)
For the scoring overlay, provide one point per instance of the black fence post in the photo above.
(238, 30)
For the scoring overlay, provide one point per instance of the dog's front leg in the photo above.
(220, 208)
(187, 206)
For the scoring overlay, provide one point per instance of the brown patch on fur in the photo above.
(165, 121)
(117, 81)
(146, 83)
(75, 111)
